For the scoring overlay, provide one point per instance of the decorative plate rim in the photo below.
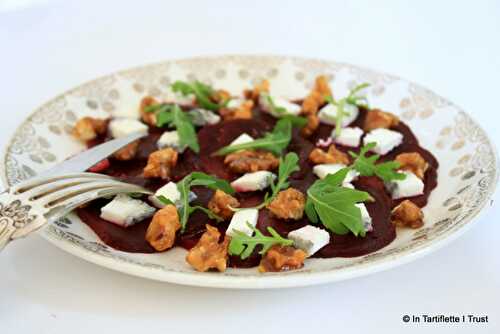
(290, 279)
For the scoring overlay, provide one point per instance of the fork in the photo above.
(29, 205)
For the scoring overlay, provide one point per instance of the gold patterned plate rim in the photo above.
(468, 159)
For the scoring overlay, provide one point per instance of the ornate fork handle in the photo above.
(29, 205)
(17, 215)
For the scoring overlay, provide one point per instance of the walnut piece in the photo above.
(88, 128)
(161, 231)
(413, 162)
(282, 258)
(148, 117)
(407, 214)
(333, 156)
(244, 111)
(311, 126)
(220, 203)
(208, 252)
(127, 152)
(253, 94)
(247, 161)
(161, 163)
(377, 118)
(288, 204)
(219, 96)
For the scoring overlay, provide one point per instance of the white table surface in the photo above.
(451, 47)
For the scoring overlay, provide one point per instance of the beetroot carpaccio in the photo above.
(327, 219)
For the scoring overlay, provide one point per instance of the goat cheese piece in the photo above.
(240, 221)
(291, 108)
(323, 170)
(170, 139)
(125, 211)
(170, 192)
(365, 216)
(202, 117)
(348, 185)
(309, 238)
(253, 181)
(235, 103)
(328, 114)
(242, 139)
(410, 186)
(348, 136)
(122, 127)
(385, 139)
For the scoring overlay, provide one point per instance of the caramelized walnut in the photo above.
(148, 117)
(333, 156)
(289, 204)
(208, 252)
(311, 126)
(244, 111)
(88, 128)
(253, 94)
(377, 118)
(127, 152)
(220, 96)
(310, 104)
(413, 162)
(282, 258)
(161, 231)
(161, 163)
(407, 214)
(247, 161)
(220, 204)
(322, 87)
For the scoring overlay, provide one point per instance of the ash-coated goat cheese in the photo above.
(386, 140)
(309, 238)
(240, 221)
(323, 170)
(170, 139)
(410, 186)
(253, 181)
(122, 127)
(125, 211)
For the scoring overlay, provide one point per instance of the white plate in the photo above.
(467, 173)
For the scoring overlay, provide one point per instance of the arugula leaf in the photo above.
(198, 179)
(172, 114)
(165, 200)
(185, 129)
(201, 91)
(334, 205)
(366, 166)
(244, 245)
(274, 109)
(353, 99)
(275, 141)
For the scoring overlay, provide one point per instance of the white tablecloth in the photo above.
(451, 47)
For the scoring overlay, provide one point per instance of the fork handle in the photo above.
(17, 218)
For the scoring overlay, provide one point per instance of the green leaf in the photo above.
(274, 109)
(335, 206)
(185, 129)
(358, 100)
(275, 141)
(198, 179)
(165, 200)
(200, 90)
(366, 166)
(244, 245)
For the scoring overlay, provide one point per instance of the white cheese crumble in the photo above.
(125, 211)
(348, 136)
(253, 181)
(328, 114)
(323, 170)
(309, 238)
(122, 127)
(385, 139)
(410, 186)
(240, 221)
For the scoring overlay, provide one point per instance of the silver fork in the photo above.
(30, 204)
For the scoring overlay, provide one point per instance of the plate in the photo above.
(467, 176)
